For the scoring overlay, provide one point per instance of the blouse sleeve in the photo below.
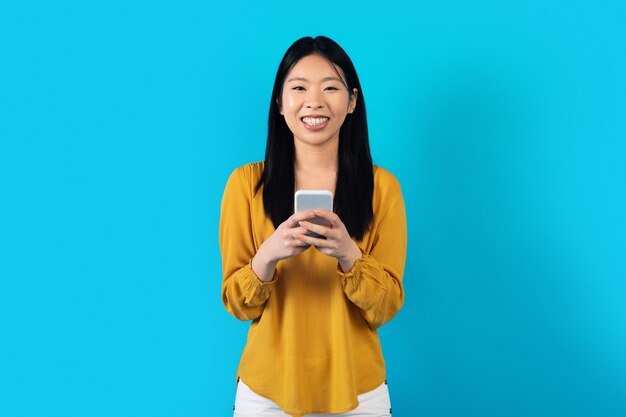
(243, 293)
(374, 284)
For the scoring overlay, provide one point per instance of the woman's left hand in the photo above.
(338, 242)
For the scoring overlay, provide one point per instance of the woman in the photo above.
(315, 302)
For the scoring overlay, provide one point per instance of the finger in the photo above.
(330, 216)
(294, 239)
(315, 241)
(293, 220)
(299, 230)
(298, 243)
(316, 228)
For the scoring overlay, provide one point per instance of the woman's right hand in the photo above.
(282, 244)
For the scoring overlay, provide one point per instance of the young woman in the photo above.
(315, 302)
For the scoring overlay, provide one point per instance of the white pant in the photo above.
(375, 403)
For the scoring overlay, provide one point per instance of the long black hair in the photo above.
(355, 177)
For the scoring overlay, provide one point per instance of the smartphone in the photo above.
(306, 200)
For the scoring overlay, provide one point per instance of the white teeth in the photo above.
(314, 121)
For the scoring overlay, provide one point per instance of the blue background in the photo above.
(121, 121)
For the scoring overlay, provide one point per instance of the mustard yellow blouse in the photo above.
(312, 345)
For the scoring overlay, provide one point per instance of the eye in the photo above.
(298, 88)
(331, 88)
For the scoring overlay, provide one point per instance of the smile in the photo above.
(315, 121)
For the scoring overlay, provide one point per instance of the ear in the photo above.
(353, 99)
(280, 108)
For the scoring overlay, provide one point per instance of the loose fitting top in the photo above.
(313, 344)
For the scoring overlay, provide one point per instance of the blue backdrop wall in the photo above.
(120, 122)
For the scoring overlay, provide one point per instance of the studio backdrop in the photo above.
(120, 122)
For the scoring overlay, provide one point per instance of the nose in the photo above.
(314, 99)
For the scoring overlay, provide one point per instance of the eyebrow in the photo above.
(323, 79)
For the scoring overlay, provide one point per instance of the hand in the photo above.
(282, 244)
(338, 242)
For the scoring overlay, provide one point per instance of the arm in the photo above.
(243, 293)
(374, 283)
(249, 273)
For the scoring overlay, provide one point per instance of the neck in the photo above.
(316, 158)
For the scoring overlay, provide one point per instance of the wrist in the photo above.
(347, 262)
(264, 257)
(263, 266)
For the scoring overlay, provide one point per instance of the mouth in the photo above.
(315, 123)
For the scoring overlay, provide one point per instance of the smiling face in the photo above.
(315, 101)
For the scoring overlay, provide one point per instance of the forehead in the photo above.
(314, 67)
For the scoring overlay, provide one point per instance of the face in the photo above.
(315, 101)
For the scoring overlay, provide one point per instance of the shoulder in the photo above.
(387, 197)
(384, 180)
(243, 180)
(250, 170)
(387, 190)
(247, 174)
